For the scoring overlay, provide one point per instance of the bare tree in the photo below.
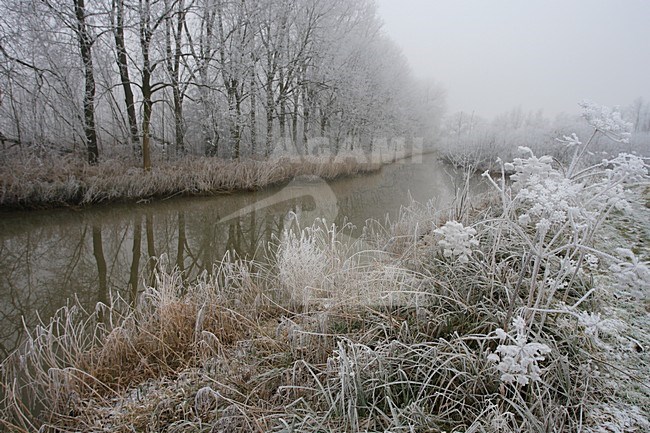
(224, 72)
(123, 68)
(85, 46)
(174, 30)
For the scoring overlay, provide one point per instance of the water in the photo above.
(50, 257)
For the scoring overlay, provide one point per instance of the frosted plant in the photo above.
(543, 194)
(346, 364)
(631, 270)
(619, 172)
(457, 241)
(206, 400)
(607, 121)
(302, 263)
(518, 361)
(549, 197)
(594, 325)
(342, 360)
(627, 168)
(350, 359)
(575, 198)
(502, 422)
(531, 167)
(569, 141)
(611, 195)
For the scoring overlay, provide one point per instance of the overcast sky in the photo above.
(494, 55)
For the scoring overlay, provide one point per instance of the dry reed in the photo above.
(53, 181)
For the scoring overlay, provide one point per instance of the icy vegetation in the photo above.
(457, 241)
(518, 362)
(475, 143)
(524, 312)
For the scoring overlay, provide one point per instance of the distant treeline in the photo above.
(468, 140)
(214, 77)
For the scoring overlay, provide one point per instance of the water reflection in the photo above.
(49, 257)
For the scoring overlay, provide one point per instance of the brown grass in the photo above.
(162, 345)
(55, 181)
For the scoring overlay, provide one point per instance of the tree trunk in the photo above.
(323, 123)
(234, 111)
(294, 120)
(238, 101)
(305, 122)
(282, 115)
(85, 44)
(282, 120)
(173, 68)
(147, 103)
(146, 120)
(179, 122)
(269, 113)
(118, 6)
(210, 130)
(253, 114)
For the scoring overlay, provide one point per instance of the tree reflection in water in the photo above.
(48, 258)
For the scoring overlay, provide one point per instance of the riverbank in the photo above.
(486, 322)
(59, 181)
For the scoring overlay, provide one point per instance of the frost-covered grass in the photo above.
(526, 313)
(58, 181)
(479, 145)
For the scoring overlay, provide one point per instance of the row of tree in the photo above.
(457, 124)
(228, 78)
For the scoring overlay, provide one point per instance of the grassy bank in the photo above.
(510, 317)
(55, 181)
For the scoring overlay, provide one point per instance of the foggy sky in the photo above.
(494, 55)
